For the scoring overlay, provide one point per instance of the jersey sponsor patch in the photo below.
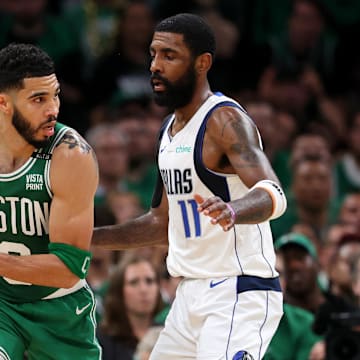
(34, 182)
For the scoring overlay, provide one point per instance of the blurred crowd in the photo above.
(295, 67)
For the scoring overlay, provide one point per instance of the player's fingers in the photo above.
(199, 199)
(214, 210)
(224, 218)
(205, 204)
(217, 215)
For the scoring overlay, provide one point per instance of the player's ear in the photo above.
(203, 63)
(5, 104)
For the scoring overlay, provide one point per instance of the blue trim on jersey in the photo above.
(248, 283)
(216, 183)
(158, 190)
(219, 93)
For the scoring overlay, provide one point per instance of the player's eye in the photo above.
(38, 99)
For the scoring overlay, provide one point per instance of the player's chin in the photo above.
(44, 139)
(159, 93)
(40, 142)
(160, 98)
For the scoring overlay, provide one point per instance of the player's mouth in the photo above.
(49, 128)
(157, 85)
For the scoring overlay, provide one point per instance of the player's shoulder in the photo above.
(228, 111)
(72, 151)
(73, 159)
(225, 106)
(70, 142)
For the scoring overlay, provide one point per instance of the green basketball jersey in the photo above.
(25, 200)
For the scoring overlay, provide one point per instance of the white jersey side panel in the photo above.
(198, 249)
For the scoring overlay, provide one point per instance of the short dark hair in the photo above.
(198, 35)
(20, 61)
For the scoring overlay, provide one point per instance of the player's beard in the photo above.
(24, 128)
(179, 93)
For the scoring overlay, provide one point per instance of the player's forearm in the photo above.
(43, 269)
(253, 208)
(140, 232)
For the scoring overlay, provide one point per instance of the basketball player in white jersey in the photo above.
(215, 196)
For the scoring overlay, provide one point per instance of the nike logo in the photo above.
(80, 311)
(216, 283)
(169, 151)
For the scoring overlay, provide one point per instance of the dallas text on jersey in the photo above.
(177, 181)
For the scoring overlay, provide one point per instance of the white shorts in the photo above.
(221, 319)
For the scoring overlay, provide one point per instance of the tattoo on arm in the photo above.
(243, 147)
(73, 141)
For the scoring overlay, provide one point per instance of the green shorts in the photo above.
(63, 328)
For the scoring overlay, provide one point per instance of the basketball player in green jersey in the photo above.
(48, 178)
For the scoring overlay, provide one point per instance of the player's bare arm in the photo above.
(234, 136)
(147, 230)
(73, 179)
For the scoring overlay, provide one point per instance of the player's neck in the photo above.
(184, 114)
(14, 151)
(10, 163)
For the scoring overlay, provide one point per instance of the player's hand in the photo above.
(217, 210)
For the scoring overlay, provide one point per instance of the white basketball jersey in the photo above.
(198, 249)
